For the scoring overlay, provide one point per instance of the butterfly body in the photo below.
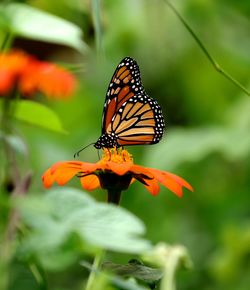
(130, 117)
(107, 141)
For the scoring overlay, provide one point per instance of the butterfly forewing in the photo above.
(125, 84)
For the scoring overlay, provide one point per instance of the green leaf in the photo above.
(120, 283)
(26, 21)
(37, 114)
(66, 220)
(134, 269)
(191, 145)
(15, 142)
(170, 259)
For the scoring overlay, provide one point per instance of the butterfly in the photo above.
(130, 116)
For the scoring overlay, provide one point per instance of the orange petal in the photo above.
(48, 178)
(152, 186)
(57, 165)
(90, 182)
(140, 170)
(48, 78)
(75, 165)
(54, 81)
(118, 168)
(63, 175)
(171, 185)
(62, 172)
(89, 167)
(171, 181)
(7, 80)
(180, 180)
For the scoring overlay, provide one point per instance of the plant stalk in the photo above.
(97, 25)
(211, 59)
(114, 196)
(93, 273)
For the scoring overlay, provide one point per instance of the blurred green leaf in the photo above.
(130, 284)
(15, 142)
(134, 269)
(170, 259)
(21, 278)
(66, 216)
(230, 263)
(120, 283)
(37, 114)
(191, 145)
(26, 21)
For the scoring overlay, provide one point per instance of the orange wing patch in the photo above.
(135, 124)
(110, 112)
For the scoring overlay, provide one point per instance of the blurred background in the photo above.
(207, 138)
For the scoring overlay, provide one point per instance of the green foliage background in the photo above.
(207, 139)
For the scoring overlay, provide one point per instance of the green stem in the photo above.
(93, 273)
(211, 59)
(176, 256)
(97, 25)
(6, 125)
(7, 41)
(39, 276)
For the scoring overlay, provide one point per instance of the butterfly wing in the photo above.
(138, 121)
(128, 112)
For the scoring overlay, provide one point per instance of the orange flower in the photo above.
(114, 172)
(29, 75)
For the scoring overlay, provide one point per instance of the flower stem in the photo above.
(95, 267)
(6, 41)
(39, 276)
(114, 196)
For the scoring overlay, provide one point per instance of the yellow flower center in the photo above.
(117, 155)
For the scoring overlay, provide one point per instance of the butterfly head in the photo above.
(106, 141)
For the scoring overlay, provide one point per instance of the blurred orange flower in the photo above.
(114, 172)
(21, 71)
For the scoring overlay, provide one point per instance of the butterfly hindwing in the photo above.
(138, 121)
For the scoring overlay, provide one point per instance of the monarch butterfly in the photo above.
(130, 116)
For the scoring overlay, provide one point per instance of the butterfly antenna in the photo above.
(78, 152)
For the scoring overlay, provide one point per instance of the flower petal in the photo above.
(62, 172)
(171, 181)
(48, 178)
(54, 81)
(63, 175)
(90, 182)
(180, 180)
(118, 168)
(140, 170)
(7, 80)
(152, 186)
(18, 69)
